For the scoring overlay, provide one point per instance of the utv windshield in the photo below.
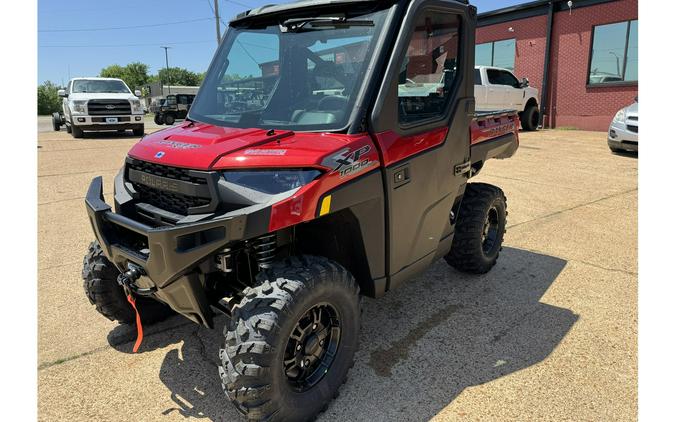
(99, 86)
(298, 74)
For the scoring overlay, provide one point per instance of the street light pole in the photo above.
(168, 76)
(215, 9)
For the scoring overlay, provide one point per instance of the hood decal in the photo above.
(178, 145)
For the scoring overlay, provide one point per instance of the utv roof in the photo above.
(273, 9)
(277, 9)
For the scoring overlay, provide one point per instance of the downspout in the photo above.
(547, 59)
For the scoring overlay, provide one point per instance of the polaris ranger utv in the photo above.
(347, 181)
(173, 107)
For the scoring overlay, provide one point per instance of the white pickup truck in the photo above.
(498, 89)
(95, 104)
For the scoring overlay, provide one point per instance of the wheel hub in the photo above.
(490, 230)
(312, 346)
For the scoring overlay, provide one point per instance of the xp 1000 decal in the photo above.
(348, 162)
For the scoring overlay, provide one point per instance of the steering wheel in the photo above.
(332, 102)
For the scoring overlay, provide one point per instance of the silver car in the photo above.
(623, 132)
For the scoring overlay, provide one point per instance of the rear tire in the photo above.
(56, 122)
(139, 131)
(304, 309)
(530, 118)
(480, 229)
(159, 120)
(102, 290)
(169, 119)
(76, 132)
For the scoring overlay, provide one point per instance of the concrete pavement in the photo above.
(549, 334)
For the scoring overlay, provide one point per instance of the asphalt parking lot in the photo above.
(549, 334)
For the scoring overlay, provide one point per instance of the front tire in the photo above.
(169, 119)
(530, 118)
(76, 132)
(102, 290)
(159, 120)
(480, 229)
(140, 131)
(291, 340)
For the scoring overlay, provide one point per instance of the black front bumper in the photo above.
(168, 255)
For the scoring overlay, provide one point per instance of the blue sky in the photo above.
(187, 27)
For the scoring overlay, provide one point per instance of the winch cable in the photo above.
(139, 326)
(126, 280)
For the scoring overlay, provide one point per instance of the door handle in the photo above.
(401, 176)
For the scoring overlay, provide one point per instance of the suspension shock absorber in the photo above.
(265, 249)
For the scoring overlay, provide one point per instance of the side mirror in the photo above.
(62, 93)
(524, 83)
(137, 93)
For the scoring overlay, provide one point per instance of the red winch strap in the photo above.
(139, 326)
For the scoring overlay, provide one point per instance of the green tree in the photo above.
(48, 98)
(134, 74)
(179, 76)
(112, 71)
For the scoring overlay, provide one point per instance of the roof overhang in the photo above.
(531, 9)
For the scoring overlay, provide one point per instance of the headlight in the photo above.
(136, 106)
(78, 106)
(271, 181)
(620, 116)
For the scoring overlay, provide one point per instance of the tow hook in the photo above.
(128, 281)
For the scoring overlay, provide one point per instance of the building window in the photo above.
(497, 54)
(429, 69)
(614, 56)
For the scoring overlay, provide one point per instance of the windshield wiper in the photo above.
(296, 24)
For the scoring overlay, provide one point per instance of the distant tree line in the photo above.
(134, 74)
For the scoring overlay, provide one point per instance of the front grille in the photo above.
(166, 171)
(174, 202)
(108, 107)
(632, 128)
(633, 118)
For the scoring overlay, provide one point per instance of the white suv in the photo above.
(95, 104)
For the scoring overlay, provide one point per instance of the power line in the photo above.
(247, 53)
(239, 4)
(124, 27)
(122, 45)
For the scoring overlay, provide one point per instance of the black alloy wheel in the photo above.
(312, 346)
(490, 231)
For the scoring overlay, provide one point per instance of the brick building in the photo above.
(592, 55)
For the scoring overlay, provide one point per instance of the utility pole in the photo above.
(168, 76)
(215, 7)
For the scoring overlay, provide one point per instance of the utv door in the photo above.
(424, 136)
(183, 105)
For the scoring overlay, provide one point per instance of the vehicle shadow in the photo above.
(629, 154)
(421, 345)
(110, 134)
